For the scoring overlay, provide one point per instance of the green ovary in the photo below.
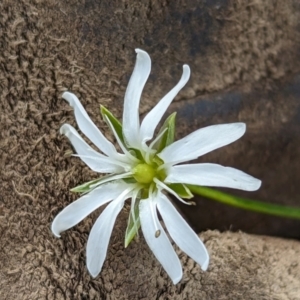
(143, 173)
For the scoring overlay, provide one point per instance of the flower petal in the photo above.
(202, 141)
(160, 246)
(131, 121)
(152, 119)
(98, 240)
(181, 233)
(212, 175)
(81, 208)
(96, 161)
(87, 126)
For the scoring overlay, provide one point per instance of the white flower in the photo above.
(144, 172)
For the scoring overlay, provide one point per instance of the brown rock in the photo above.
(269, 150)
(241, 267)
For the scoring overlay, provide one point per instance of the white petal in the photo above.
(81, 208)
(96, 161)
(212, 175)
(87, 126)
(202, 141)
(160, 246)
(151, 120)
(131, 121)
(100, 234)
(181, 233)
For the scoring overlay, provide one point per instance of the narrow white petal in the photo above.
(202, 141)
(87, 126)
(181, 233)
(152, 119)
(100, 234)
(96, 161)
(131, 121)
(212, 175)
(160, 246)
(81, 208)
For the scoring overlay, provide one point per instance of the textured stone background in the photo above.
(245, 66)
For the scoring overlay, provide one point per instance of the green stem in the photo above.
(257, 206)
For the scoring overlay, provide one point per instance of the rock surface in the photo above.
(269, 150)
(86, 46)
(242, 266)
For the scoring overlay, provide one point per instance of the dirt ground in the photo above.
(244, 57)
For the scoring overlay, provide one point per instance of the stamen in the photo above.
(151, 188)
(150, 149)
(132, 208)
(126, 152)
(148, 152)
(151, 199)
(157, 138)
(163, 186)
(115, 177)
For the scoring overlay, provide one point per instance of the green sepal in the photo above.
(133, 225)
(129, 180)
(85, 187)
(90, 185)
(169, 135)
(114, 121)
(181, 190)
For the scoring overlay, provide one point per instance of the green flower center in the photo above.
(143, 173)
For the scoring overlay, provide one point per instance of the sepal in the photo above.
(168, 137)
(181, 190)
(114, 122)
(133, 225)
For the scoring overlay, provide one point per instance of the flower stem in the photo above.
(257, 206)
